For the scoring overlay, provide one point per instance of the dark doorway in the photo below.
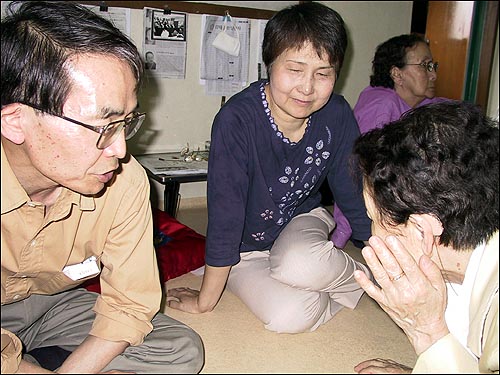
(419, 17)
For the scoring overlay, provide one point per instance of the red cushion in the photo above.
(179, 249)
(185, 251)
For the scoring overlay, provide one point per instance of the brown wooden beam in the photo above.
(188, 7)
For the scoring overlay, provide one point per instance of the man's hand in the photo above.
(92, 356)
(381, 366)
(26, 367)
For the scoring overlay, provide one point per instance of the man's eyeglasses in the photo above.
(108, 133)
(429, 66)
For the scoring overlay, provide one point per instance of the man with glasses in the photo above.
(75, 204)
(403, 77)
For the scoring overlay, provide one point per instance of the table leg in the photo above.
(171, 197)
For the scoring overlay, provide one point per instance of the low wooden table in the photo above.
(170, 169)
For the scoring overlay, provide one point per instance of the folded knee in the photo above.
(302, 269)
(289, 325)
(194, 353)
(302, 316)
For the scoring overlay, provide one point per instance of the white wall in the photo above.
(180, 112)
(368, 24)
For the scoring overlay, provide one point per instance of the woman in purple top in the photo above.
(272, 146)
(404, 77)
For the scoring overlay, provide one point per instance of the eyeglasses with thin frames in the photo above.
(429, 66)
(108, 133)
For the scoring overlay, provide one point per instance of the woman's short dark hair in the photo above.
(306, 22)
(439, 159)
(391, 53)
(38, 38)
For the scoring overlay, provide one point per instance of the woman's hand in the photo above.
(381, 366)
(204, 300)
(413, 295)
(184, 299)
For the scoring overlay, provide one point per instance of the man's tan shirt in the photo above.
(115, 227)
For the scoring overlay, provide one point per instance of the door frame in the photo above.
(481, 50)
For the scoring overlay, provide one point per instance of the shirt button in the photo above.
(33, 243)
(17, 296)
(23, 276)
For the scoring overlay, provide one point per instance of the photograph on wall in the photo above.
(170, 26)
(165, 57)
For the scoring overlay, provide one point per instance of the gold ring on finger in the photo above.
(397, 277)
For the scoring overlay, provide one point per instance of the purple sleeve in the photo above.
(342, 231)
(376, 107)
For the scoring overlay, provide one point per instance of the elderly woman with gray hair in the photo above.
(430, 183)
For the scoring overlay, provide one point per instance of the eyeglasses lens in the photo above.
(111, 133)
(432, 66)
(133, 125)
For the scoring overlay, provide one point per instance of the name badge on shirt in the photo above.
(82, 270)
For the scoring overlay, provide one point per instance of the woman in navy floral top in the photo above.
(272, 146)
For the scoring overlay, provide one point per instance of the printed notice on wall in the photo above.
(120, 17)
(261, 67)
(223, 73)
(5, 7)
(164, 44)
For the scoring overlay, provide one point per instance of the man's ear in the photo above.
(396, 75)
(11, 123)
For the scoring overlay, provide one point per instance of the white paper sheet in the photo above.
(220, 72)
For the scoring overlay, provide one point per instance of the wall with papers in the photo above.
(188, 117)
(179, 109)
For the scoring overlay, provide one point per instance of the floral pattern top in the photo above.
(258, 179)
